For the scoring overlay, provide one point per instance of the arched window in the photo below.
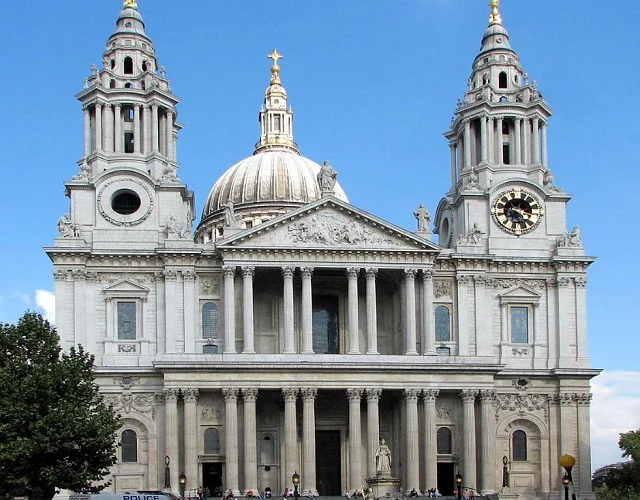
(443, 324)
(113, 63)
(519, 444)
(128, 66)
(502, 80)
(129, 443)
(211, 441)
(443, 441)
(112, 84)
(210, 323)
(128, 85)
(144, 65)
(325, 325)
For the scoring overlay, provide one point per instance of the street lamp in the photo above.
(167, 472)
(183, 483)
(458, 479)
(565, 483)
(295, 479)
(567, 462)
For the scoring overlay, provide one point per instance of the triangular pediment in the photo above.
(520, 292)
(126, 286)
(329, 224)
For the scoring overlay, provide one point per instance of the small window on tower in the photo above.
(112, 84)
(128, 85)
(128, 142)
(502, 80)
(128, 114)
(128, 66)
(113, 63)
(505, 127)
(276, 123)
(506, 154)
(144, 65)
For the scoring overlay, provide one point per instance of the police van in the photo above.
(136, 495)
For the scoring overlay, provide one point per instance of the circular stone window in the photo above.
(125, 202)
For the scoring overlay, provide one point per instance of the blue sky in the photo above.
(373, 84)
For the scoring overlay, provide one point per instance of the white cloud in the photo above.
(615, 409)
(46, 301)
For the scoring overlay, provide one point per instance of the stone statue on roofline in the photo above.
(327, 178)
(423, 217)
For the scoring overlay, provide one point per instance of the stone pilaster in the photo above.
(413, 452)
(469, 437)
(250, 440)
(410, 312)
(309, 440)
(171, 433)
(247, 309)
(518, 142)
(355, 439)
(352, 313)
(154, 127)
(307, 310)
(500, 141)
(98, 136)
(583, 459)
(373, 429)
(190, 397)
(487, 434)
(137, 133)
(463, 315)
(289, 341)
(231, 439)
(430, 444)
(229, 273)
(467, 143)
(290, 395)
(372, 313)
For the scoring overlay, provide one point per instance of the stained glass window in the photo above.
(126, 320)
(519, 442)
(443, 324)
(210, 323)
(443, 441)
(211, 441)
(129, 446)
(519, 325)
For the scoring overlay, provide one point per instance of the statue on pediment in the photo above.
(327, 177)
(423, 217)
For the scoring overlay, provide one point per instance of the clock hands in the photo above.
(515, 214)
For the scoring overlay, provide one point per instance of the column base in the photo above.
(373, 352)
(249, 352)
(353, 352)
(289, 351)
(411, 353)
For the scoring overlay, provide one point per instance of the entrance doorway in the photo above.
(328, 463)
(445, 478)
(212, 478)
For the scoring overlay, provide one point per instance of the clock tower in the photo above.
(502, 199)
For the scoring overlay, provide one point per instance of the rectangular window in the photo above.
(324, 324)
(126, 320)
(506, 154)
(519, 325)
(276, 123)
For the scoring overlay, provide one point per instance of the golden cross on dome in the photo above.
(275, 68)
(131, 3)
(495, 17)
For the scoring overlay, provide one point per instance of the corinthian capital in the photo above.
(190, 395)
(250, 394)
(374, 394)
(411, 395)
(170, 395)
(230, 395)
(309, 393)
(430, 395)
(354, 394)
(468, 396)
(290, 394)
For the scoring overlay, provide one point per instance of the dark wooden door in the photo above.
(445, 479)
(328, 463)
(212, 477)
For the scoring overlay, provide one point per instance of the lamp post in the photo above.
(167, 473)
(567, 462)
(183, 483)
(565, 483)
(458, 479)
(295, 479)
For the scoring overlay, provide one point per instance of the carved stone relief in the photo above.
(442, 289)
(521, 403)
(127, 403)
(210, 285)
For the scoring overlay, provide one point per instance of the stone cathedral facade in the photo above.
(293, 330)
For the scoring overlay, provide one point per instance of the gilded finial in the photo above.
(275, 68)
(130, 3)
(495, 17)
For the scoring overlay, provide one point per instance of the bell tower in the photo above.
(128, 181)
(502, 198)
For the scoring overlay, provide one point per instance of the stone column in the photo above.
(137, 133)
(290, 395)
(535, 137)
(229, 273)
(581, 318)
(231, 439)
(518, 142)
(454, 170)
(146, 125)
(543, 139)
(428, 326)
(355, 439)
(483, 138)
(190, 397)
(118, 128)
(307, 310)
(108, 127)
(410, 311)
(87, 129)
(372, 313)
(247, 309)
(289, 341)
(500, 141)
(583, 459)
(352, 285)
(154, 127)
(169, 135)
(467, 143)
(526, 140)
(98, 126)
(250, 440)
(565, 321)
(430, 438)
(469, 437)
(189, 312)
(412, 436)
(487, 438)
(309, 440)
(491, 135)
(463, 321)
(170, 319)
(373, 429)
(171, 434)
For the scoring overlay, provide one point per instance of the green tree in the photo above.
(624, 482)
(55, 429)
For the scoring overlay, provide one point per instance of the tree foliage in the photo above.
(624, 482)
(55, 429)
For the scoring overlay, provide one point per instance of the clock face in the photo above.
(517, 211)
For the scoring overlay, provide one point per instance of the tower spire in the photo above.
(275, 67)
(131, 3)
(495, 17)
